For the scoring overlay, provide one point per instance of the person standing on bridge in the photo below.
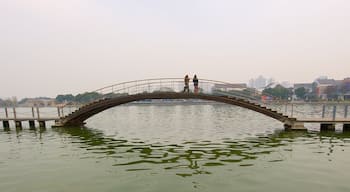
(187, 82)
(195, 84)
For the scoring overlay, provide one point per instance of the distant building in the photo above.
(346, 85)
(324, 87)
(308, 90)
(260, 82)
(345, 88)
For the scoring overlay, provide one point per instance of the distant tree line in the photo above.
(83, 97)
(278, 92)
(80, 98)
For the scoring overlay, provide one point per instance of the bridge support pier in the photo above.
(18, 124)
(6, 124)
(31, 124)
(42, 124)
(327, 127)
(58, 123)
(295, 126)
(346, 127)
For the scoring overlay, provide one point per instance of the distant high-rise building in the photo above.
(258, 83)
(251, 83)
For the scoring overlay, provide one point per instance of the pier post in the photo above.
(33, 114)
(31, 124)
(327, 127)
(14, 113)
(59, 112)
(6, 112)
(346, 127)
(295, 126)
(323, 110)
(6, 124)
(334, 111)
(286, 108)
(42, 124)
(18, 124)
(38, 112)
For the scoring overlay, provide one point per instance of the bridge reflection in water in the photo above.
(192, 158)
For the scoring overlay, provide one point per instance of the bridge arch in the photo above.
(78, 117)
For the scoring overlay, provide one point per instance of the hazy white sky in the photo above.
(50, 47)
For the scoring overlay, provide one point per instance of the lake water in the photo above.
(208, 147)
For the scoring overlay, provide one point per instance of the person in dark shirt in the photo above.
(195, 84)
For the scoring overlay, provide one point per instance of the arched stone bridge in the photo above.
(172, 88)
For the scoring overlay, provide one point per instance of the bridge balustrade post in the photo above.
(323, 110)
(346, 111)
(334, 111)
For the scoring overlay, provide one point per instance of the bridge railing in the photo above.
(206, 86)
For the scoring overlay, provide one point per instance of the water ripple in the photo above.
(193, 157)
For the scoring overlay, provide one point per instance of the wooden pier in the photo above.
(34, 117)
(37, 118)
(328, 124)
